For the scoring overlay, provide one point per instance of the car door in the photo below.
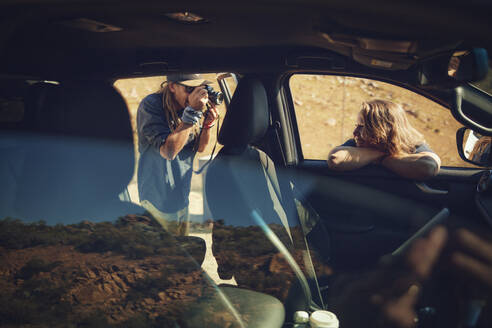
(370, 212)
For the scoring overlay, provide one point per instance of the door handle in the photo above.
(428, 190)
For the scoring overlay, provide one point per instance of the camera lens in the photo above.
(215, 97)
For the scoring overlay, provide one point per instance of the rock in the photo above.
(331, 122)
(412, 113)
(298, 102)
(162, 296)
(133, 219)
(277, 264)
(119, 282)
(87, 225)
(139, 274)
(90, 274)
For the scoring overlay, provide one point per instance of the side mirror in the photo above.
(473, 147)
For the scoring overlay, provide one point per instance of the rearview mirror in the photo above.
(448, 72)
(468, 66)
(473, 147)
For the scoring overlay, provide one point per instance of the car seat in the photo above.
(74, 154)
(237, 180)
(243, 180)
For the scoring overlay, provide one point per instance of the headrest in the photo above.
(78, 157)
(247, 117)
(87, 109)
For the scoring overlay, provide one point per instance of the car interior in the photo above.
(289, 236)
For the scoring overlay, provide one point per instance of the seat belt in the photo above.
(274, 191)
(273, 185)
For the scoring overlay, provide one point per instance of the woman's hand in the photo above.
(346, 158)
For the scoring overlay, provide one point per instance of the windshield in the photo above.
(104, 223)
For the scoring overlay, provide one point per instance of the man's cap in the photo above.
(190, 80)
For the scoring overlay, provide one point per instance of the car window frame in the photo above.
(289, 106)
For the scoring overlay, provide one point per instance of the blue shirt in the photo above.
(164, 183)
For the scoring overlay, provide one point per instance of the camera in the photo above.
(215, 97)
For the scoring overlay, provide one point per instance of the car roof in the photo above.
(127, 38)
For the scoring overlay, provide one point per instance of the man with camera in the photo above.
(170, 132)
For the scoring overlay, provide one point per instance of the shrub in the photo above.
(35, 266)
(148, 287)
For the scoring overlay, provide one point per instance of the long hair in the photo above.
(171, 106)
(479, 153)
(384, 126)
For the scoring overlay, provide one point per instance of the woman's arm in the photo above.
(418, 166)
(345, 158)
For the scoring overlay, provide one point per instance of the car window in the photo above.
(326, 109)
(134, 90)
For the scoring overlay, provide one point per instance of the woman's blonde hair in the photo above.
(386, 128)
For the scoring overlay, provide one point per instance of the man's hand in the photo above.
(211, 116)
(474, 256)
(198, 98)
(387, 296)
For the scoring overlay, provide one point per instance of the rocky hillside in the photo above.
(127, 274)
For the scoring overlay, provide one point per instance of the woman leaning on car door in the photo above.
(383, 135)
(168, 126)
